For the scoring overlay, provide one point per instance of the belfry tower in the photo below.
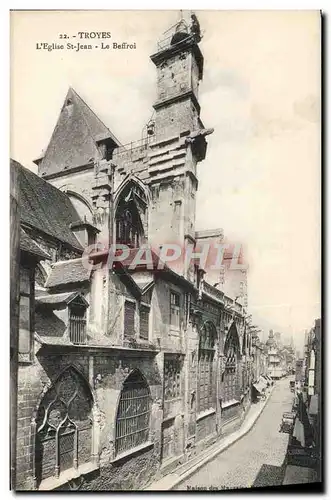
(179, 135)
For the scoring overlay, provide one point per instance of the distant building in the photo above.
(300, 371)
(312, 385)
(275, 366)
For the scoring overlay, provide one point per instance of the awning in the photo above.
(259, 387)
(263, 381)
(267, 380)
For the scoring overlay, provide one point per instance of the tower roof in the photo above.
(75, 139)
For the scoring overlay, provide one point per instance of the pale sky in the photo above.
(261, 93)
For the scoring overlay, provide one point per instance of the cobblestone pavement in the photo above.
(257, 458)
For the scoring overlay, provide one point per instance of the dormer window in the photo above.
(68, 313)
(77, 323)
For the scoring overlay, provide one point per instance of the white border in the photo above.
(5, 114)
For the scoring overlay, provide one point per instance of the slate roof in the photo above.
(46, 208)
(29, 246)
(49, 326)
(68, 271)
(75, 137)
(54, 300)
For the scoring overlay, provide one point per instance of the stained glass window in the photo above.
(64, 427)
(129, 228)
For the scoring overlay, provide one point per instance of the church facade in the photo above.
(130, 362)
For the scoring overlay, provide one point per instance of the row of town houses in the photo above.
(120, 373)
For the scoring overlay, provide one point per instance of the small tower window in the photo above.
(77, 323)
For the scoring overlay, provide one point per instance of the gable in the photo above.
(74, 141)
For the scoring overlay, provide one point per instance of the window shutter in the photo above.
(144, 321)
(129, 313)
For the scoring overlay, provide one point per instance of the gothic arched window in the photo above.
(64, 427)
(230, 375)
(133, 413)
(206, 392)
(131, 207)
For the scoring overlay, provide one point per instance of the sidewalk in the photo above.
(170, 481)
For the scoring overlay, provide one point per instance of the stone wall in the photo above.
(106, 374)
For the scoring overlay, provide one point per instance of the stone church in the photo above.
(125, 371)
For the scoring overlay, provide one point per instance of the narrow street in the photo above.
(256, 459)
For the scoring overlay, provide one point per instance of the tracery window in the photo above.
(206, 392)
(133, 414)
(129, 227)
(230, 376)
(172, 382)
(64, 427)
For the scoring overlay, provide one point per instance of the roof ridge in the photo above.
(94, 114)
(82, 112)
(66, 261)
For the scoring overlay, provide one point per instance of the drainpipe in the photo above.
(110, 237)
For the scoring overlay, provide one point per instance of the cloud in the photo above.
(308, 109)
(228, 79)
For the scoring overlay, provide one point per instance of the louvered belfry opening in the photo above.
(77, 323)
(133, 414)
